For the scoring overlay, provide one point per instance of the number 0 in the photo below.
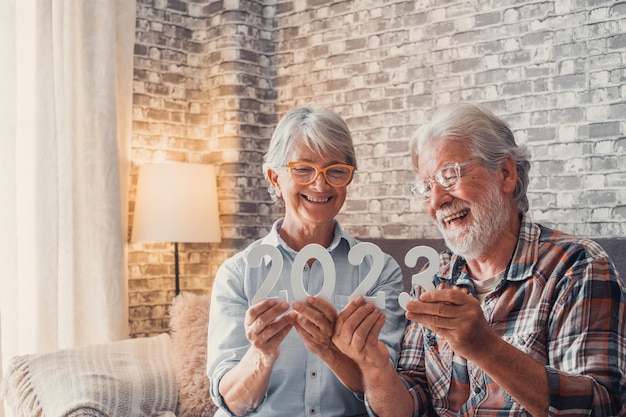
(318, 252)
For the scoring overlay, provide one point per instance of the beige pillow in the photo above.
(189, 320)
(132, 377)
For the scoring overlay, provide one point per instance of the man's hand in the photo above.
(456, 317)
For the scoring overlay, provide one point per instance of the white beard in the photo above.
(475, 238)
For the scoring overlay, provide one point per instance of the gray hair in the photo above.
(322, 131)
(490, 140)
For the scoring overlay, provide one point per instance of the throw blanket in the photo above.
(132, 377)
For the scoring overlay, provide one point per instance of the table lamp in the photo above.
(176, 202)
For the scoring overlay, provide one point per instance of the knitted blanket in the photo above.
(132, 377)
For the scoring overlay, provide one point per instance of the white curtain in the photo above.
(65, 120)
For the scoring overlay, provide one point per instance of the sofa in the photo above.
(615, 247)
(160, 376)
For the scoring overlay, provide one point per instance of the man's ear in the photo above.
(509, 174)
(272, 176)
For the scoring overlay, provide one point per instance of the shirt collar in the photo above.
(273, 237)
(526, 252)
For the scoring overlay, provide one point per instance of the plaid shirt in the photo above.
(562, 302)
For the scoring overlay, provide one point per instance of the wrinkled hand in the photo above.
(456, 317)
(264, 329)
(315, 323)
(356, 334)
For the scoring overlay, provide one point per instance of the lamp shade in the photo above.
(176, 202)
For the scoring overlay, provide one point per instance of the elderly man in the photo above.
(524, 320)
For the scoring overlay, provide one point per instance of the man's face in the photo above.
(471, 214)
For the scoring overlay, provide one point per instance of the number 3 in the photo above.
(424, 278)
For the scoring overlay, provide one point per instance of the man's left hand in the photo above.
(457, 317)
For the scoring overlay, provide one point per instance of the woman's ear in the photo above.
(272, 176)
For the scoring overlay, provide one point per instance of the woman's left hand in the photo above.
(316, 324)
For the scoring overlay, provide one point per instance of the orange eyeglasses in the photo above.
(304, 173)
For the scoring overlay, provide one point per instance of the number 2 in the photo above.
(255, 257)
(356, 256)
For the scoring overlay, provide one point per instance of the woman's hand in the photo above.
(356, 333)
(315, 324)
(266, 329)
(245, 385)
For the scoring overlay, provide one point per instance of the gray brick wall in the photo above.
(203, 93)
(212, 78)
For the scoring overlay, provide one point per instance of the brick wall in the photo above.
(203, 93)
(211, 79)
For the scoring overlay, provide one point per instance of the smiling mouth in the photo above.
(453, 218)
(316, 200)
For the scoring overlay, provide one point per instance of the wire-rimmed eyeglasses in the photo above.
(447, 177)
(336, 175)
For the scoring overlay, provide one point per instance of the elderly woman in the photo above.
(275, 356)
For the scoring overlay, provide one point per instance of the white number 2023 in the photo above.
(356, 256)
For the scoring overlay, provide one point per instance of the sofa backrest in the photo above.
(615, 247)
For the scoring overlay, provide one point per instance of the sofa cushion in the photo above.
(189, 320)
(133, 377)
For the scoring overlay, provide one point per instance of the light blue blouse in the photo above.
(301, 384)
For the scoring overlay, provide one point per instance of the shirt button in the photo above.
(313, 375)
(311, 410)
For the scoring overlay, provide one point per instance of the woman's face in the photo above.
(312, 204)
